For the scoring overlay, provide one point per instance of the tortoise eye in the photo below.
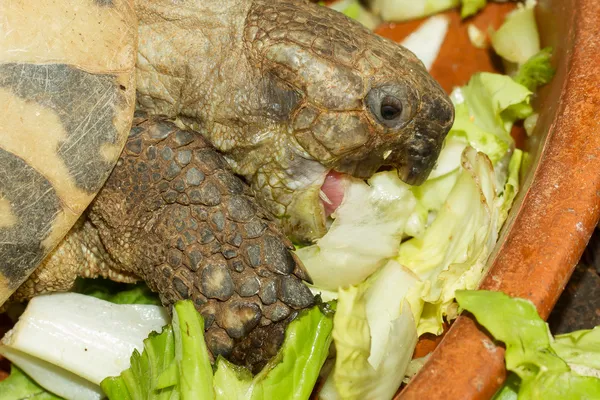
(390, 105)
(391, 108)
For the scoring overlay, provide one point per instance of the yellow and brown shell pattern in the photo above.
(67, 95)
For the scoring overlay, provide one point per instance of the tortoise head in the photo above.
(352, 102)
(329, 95)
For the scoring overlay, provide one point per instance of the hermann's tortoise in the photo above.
(176, 141)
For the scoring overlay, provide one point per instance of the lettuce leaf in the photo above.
(581, 350)
(530, 351)
(355, 10)
(511, 186)
(19, 386)
(173, 365)
(517, 40)
(453, 251)
(366, 231)
(403, 10)
(536, 71)
(292, 373)
(372, 321)
(118, 293)
(471, 7)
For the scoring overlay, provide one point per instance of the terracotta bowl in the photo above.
(558, 206)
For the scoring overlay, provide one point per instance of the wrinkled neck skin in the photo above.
(197, 62)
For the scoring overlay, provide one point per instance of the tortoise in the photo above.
(185, 144)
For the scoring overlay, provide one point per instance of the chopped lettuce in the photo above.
(174, 364)
(471, 7)
(453, 251)
(372, 321)
(355, 10)
(19, 386)
(511, 186)
(426, 41)
(118, 293)
(536, 71)
(69, 342)
(402, 10)
(366, 231)
(292, 373)
(581, 350)
(541, 363)
(517, 40)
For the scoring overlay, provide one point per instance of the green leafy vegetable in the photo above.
(365, 234)
(19, 386)
(470, 7)
(581, 350)
(517, 40)
(68, 342)
(452, 252)
(372, 321)
(119, 293)
(173, 365)
(530, 352)
(402, 10)
(511, 187)
(536, 71)
(292, 373)
(355, 10)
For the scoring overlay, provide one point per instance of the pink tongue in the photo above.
(333, 188)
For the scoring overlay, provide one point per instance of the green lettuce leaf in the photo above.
(530, 353)
(372, 321)
(511, 187)
(581, 350)
(470, 7)
(517, 40)
(173, 365)
(119, 293)
(19, 386)
(403, 10)
(536, 71)
(452, 252)
(292, 373)
(355, 10)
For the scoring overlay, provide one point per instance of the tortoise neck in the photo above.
(189, 55)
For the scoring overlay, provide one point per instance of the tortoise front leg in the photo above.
(173, 213)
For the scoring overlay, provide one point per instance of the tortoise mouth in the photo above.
(332, 191)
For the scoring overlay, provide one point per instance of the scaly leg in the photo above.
(173, 214)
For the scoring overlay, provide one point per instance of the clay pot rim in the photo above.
(555, 215)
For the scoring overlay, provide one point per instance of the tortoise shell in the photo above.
(67, 91)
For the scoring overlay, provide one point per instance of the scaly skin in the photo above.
(287, 91)
(173, 214)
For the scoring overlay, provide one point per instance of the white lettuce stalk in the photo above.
(367, 229)
(68, 343)
(373, 321)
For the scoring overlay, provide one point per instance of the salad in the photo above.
(397, 262)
